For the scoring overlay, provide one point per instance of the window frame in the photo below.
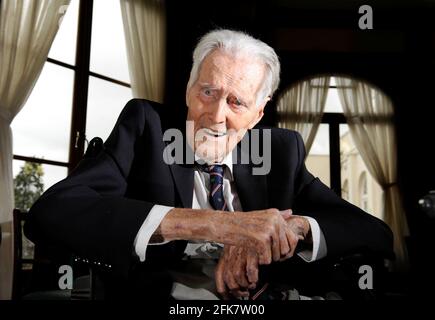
(82, 73)
(333, 120)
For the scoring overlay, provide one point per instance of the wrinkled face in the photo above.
(222, 103)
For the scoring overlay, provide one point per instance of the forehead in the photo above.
(242, 73)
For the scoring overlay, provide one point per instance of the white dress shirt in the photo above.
(204, 250)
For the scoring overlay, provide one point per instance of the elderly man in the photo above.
(202, 229)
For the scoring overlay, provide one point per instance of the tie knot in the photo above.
(215, 169)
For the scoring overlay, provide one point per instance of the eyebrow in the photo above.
(207, 85)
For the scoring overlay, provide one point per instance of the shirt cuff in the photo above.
(149, 226)
(319, 249)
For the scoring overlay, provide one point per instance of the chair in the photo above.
(25, 285)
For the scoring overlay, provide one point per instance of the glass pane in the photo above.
(362, 189)
(42, 128)
(29, 185)
(105, 102)
(108, 51)
(50, 174)
(64, 44)
(317, 161)
(333, 101)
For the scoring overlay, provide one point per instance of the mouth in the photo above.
(213, 133)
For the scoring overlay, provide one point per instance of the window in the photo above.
(108, 50)
(333, 104)
(105, 102)
(55, 108)
(336, 161)
(51, 173)
(42, 130)
(64, 45)
(108, 85)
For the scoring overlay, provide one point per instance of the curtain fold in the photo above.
(369, 114)
(145, 35)
(27, 30)
(301, 108)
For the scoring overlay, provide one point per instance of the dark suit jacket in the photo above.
(96, 212)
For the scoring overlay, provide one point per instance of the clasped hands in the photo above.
(250, 239)
(270, 235)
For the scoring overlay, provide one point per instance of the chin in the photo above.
(210, 154)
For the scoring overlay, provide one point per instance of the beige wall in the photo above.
(318, 165)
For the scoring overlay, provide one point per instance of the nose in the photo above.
(218, 111)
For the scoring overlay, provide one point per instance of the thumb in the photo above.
(286, 213)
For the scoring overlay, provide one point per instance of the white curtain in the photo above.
(301, 108)
(145, 35)
(369, 114)
(27, 30)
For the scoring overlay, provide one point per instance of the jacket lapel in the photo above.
(251, 189)
(183, 177)
(183, 173)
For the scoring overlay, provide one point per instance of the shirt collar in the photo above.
(228, 161)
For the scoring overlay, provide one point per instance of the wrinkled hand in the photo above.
(300, 229)
(264, 231)
(236, 272)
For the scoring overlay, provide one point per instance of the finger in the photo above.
(241, 277)
(286, 213)
(291, 242)
(283, 242)
(264, 251)
(240, 293)
(230, 282)
(295, 224)
(276, 250)
(238, 267)
(219, 280)
(252, 269)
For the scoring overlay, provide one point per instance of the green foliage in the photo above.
(28, 185)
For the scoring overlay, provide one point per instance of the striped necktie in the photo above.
(216, 196)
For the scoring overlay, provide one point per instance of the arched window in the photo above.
(354, 125)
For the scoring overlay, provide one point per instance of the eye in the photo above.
(208, 94)
(235, 102)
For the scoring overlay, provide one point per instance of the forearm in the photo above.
(265, 231)
(189, 224)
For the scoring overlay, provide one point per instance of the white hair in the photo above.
(238, 43)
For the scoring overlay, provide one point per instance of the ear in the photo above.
(187, 95)
(259, 115)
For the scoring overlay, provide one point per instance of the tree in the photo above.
(28, 185)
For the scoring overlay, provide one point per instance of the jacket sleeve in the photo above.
(87, 212)
(347, 228)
